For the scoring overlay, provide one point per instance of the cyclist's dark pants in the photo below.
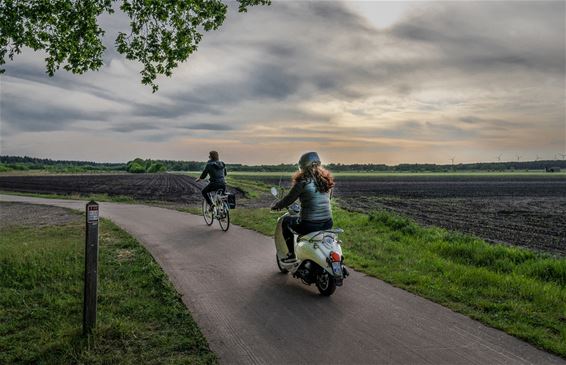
(291, 224)
(212, 187)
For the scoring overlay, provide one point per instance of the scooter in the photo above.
(318, 255)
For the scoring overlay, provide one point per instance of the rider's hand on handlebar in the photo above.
(273, 206)
(197, 179)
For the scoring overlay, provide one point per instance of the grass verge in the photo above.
(251, 188)
(513, 289)
(141, 318)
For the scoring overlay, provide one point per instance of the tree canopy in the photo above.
(162, 32)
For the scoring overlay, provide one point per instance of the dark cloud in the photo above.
(450, 131)
(270, 81)
(406, 129)
(490, 36)
(174, 110)
(134, 127)
(158, 137)
(63, 80)
(208, 127)
(30, 117)
(155, 126)
(263, 81)
(471, 119)
(486, 126)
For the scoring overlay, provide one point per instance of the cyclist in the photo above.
(216, 169)
(312, 185)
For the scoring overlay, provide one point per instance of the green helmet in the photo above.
(308, 159)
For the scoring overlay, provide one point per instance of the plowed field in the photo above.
(167, 187)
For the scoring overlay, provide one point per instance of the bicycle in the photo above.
(220, 209)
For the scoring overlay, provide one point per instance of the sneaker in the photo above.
(290, 257)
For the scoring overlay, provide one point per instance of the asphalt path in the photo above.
(252, 314)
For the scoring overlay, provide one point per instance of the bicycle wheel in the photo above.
(207, 214)
(224, 217)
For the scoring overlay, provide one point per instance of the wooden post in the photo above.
(91, 267)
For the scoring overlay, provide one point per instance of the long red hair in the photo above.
(322, 178)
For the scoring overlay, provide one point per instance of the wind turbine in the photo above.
(499, 157)
(519, 157)
(452, 159)
(563, 156)
(538, 158)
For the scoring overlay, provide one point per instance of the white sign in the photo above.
(92, 213)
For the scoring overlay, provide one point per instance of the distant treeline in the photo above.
(8, 163)
(463, 167)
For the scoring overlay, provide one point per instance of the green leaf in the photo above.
(162, 34)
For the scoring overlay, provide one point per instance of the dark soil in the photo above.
(161, 187)
(24, 214)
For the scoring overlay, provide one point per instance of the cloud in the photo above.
(300, 73)
(491, 35)
(134, 127)
(209, 127)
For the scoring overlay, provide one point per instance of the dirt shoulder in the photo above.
(24, 214)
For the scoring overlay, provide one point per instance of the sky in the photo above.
(359, 82)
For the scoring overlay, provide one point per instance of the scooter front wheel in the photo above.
(325, 283)
(282, 269)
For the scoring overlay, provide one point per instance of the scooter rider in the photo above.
(216, 169)
(312, 185)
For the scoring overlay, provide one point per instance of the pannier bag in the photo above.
(231, 200)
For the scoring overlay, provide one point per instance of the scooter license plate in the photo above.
(337, 268)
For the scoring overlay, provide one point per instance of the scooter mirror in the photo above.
(274, 191)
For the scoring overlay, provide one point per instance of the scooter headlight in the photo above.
(328, 240)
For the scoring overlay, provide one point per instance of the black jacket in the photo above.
(216, 170)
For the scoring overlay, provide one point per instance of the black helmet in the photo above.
(308, 159)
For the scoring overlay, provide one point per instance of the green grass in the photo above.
(141, 318)
(517, 290)
(251, 188)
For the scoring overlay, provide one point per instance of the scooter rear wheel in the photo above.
(282, 269)
(326, 284)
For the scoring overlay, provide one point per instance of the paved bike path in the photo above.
(252, 314)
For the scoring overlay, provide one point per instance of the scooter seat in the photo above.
(318, 235)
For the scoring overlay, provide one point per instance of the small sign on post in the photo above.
(91, 267)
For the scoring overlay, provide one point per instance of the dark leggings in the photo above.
(212, 187)
(295, 224)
